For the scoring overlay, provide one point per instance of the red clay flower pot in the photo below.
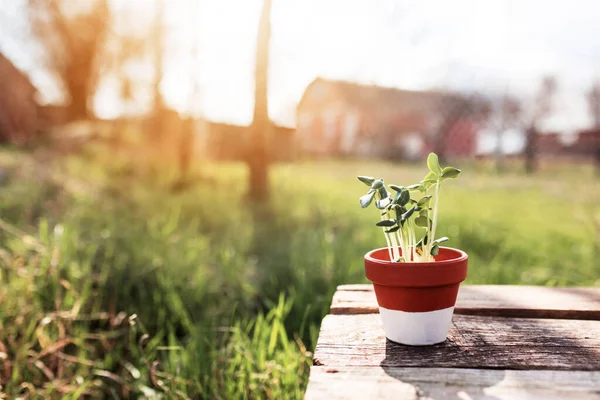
(416, 300)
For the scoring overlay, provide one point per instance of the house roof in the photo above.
(367, 96)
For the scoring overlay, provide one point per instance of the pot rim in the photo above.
(462, 256)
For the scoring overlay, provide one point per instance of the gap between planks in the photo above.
(491, 300)
(337, 383)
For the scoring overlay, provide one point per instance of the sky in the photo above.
(491, 46)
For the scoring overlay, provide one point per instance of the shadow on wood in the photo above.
(444, 383)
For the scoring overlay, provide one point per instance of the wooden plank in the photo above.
(491, 300)
(474, 342)
(449, 383)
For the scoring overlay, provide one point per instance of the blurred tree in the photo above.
(257, 157)
(188, 130)
(158, 40)
(160, 113)
(72, 35)
(541, 109)
(593, 98)
(509, 111)
(122, 47)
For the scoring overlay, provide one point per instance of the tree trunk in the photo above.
(499, 152)
(530, 150)
(186, 146)
(77, 79)
(257, 155)
(77, 109)
(158, 104)
(597, 157)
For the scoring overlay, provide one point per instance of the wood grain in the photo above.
(491, 300)
(449, 383)
(474, 342)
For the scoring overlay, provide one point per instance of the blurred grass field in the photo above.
(112, 284)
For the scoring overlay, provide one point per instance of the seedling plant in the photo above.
(409, 214)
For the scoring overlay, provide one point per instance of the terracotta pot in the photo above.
(416, 300)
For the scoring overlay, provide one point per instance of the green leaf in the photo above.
(441, 240)
(407, 214)
(422, 221)
(435, 250)
(383, 193)
(450, 173)
(429, 180)
(431, 176)
(400, 210)
(393, 229)
(386, 222)
(377, 184)
(366, 200)
(424, 200)
(423, 241)
(428, 184)
(367, 180)
(404, 197)
(383, 203)
(418, 187)
(396, 188)
(434, 164)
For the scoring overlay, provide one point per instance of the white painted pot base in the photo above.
(416, 328)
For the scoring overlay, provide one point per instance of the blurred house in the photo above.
(18, 107)
(347, 119)
(215, 141)
(582, 144)
(226, 142)
(232, 142)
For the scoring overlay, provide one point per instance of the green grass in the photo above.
(113, 285)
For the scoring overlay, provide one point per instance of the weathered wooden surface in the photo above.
(473, 342)
(506, 342)
(491, 300)
(450, 383)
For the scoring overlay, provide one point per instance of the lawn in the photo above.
(114, 284)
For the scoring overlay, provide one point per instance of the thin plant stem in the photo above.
(401, 241)
(425, 247)
(435, 215)
(389, 245)
(387, 238)
(395, 247)
(413, 248)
